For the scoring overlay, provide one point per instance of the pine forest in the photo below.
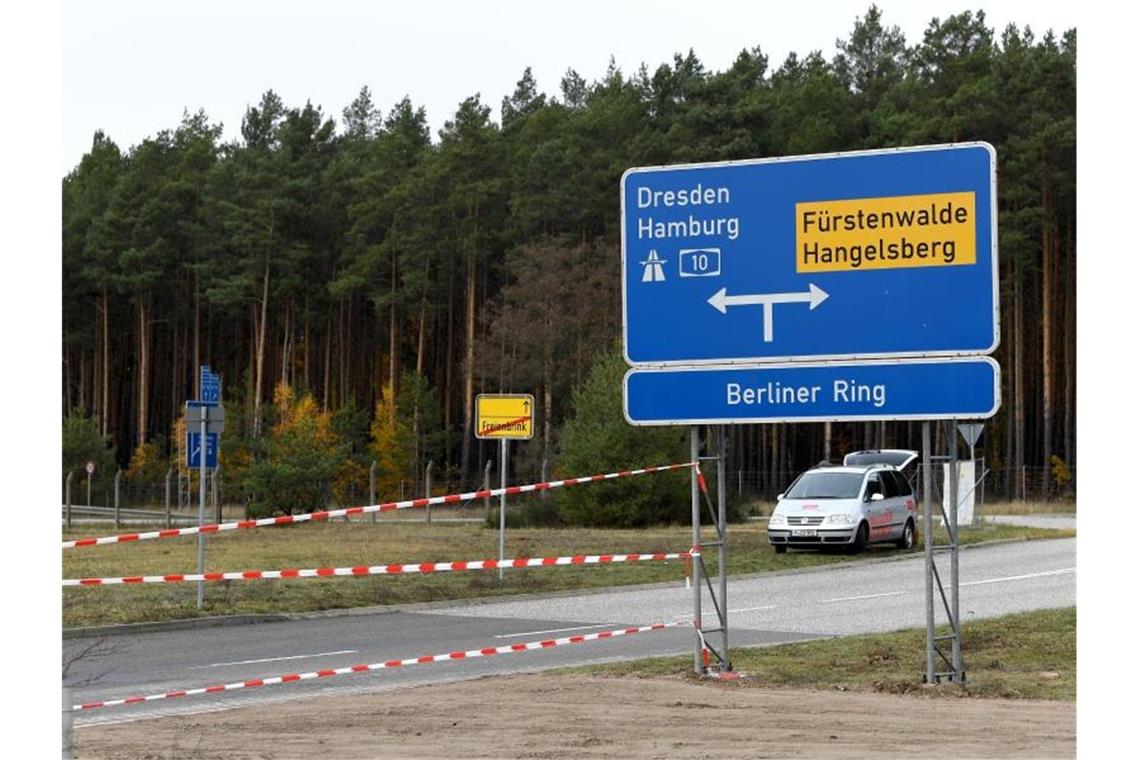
(356, 280)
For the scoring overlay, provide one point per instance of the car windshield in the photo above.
(826, 485)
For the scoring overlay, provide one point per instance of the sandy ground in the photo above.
(542, 716)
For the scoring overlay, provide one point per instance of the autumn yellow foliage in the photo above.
(391, 444)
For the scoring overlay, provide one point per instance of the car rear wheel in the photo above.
(860, 541)
(906, 540)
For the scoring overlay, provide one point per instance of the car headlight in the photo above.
(841, 519)
(777, 519)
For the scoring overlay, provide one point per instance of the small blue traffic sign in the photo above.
(867, 255)
(890, 389)
(194, 451)
(211, 385)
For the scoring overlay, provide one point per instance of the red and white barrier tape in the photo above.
(701, 480)
(394, 569)
(387, 507)
(426, 659)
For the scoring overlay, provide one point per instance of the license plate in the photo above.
(805, 532)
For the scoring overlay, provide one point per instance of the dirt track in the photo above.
(538, 716)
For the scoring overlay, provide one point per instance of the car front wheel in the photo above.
(860, 541)
(906, 540)
(780, 548)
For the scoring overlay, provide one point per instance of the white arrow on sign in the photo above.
(720, 301)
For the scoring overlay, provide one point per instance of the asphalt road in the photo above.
(765, 609)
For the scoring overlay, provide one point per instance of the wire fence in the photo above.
(1000, 484)
(179, 492)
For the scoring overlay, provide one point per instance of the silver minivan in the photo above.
(868, 499)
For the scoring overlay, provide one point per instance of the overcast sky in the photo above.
(130, 67)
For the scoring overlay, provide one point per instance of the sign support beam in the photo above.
(934, 651)
(718, 593)
(503, 456)
(722, 534)
(695, 563)
(202, 505)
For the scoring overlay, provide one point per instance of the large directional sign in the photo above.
(890, 389)
(877, 254)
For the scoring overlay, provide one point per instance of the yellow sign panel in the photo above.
(886, 233)
(504, 416)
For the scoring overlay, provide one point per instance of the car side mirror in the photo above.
(779, 496)
(876, 497)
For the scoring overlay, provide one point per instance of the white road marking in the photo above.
(273, 659)
(858, 598)
(1042, 574)
(554, 630)
(1062, 571)
(754, 609)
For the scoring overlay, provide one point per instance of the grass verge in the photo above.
(1029, 655)
(366, 543)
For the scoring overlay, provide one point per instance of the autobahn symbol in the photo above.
(814, 296)
(653, 270)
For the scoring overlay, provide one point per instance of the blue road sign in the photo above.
(194, 450)
(888, 389)
(876, 254)
(211, 385)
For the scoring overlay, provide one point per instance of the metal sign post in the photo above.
(207, 411)
(202, 505)
(957, 674)
(90, 470)
(698, 640)
(502, 504)
(505, 416)
(928, 548)
(934, 653)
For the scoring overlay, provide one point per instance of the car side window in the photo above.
(874, 485)
(904, 484)
(890, 485)
(906, 490)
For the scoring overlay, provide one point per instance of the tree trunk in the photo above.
(287, 346)
(105, 365)
(1070, 346)
(259, 365)
(197, 338)
(144, 369)
(1047, 306)
(393, 335)
(1018, 377)
(328, 362)
(448, 359)
(306, 338)
(422, 329)
(547, 409)
(468, 371)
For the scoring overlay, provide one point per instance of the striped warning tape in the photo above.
(392, 569)
(424, 660)
(387, 507)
